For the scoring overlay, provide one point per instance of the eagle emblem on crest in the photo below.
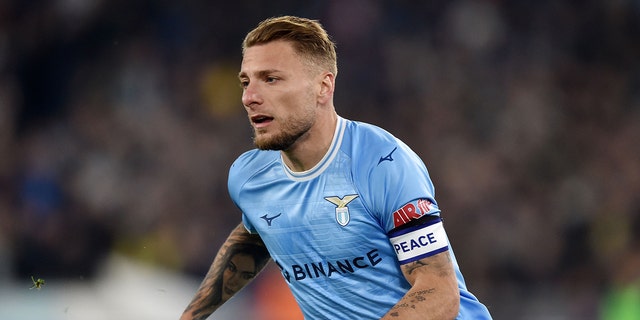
(342, 211)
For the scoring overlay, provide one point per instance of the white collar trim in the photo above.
(326, 160)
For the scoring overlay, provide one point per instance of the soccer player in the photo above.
(345, 209)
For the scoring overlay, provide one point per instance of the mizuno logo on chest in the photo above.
(388, 157)
(268, 219)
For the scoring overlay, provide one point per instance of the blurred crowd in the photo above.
(119, 120)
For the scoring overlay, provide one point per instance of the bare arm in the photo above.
(235, 272)
(434, 293)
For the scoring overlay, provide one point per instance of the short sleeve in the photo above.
(396, 184)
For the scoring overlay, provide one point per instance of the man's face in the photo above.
(279, 94)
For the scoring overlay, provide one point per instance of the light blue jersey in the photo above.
(329, 229)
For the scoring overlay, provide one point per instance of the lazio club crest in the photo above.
(342, 211)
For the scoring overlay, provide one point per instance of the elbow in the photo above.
(452, 308)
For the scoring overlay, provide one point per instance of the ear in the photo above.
(327, 85)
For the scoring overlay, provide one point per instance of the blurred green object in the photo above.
(622, 303)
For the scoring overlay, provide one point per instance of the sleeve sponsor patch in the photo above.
(411, 211)
(419, 242)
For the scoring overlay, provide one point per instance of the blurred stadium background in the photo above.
(119, 120)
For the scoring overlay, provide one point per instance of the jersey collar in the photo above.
(326, 160)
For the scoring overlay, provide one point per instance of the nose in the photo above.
(233, 281)
(250, 96)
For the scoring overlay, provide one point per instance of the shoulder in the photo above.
(370, 145)
(386, 171)
(367, 140)
(248, 165)
(369, 132)
(253, 160)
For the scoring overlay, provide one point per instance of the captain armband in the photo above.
(419, 241)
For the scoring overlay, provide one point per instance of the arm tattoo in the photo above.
(440, 263)
(212, 292)
(416, 265)
(412, 299)
(437, 265)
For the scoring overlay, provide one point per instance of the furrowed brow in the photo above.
(259, 74)
(265, 73)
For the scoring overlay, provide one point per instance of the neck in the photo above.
(312, 146)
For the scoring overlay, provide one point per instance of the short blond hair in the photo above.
(308, 37)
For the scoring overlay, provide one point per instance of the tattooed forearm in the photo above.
(238, 261)
(441, 264)
(203, 304)
(410, 301)
(434, 292)
(420, 295)
(413, 266)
